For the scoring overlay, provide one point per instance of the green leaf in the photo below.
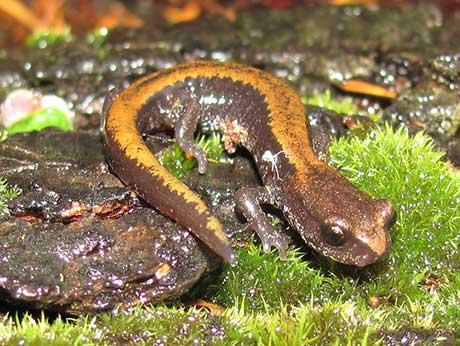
(37, 121)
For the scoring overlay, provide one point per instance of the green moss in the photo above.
(98, 37)
(40, 332)
(426, 195)
(212, 145)
(141, 325)
(326, 100)
(177, 162)
(305, 325)
(187, 326)
(169, 325)
(328, 323)
(6, 193)
(44, 39)
(264, 282)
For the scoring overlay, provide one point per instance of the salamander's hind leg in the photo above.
(184, 133)
(248, 200)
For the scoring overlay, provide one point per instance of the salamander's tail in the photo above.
(213, 235)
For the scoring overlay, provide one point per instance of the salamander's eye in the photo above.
(335, 231)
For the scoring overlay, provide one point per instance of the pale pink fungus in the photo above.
(17, 105)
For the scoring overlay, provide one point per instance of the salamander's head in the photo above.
(338, 220)
(359, 236)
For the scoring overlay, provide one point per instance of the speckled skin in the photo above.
(331, 215)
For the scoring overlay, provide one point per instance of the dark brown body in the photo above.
(331, 214)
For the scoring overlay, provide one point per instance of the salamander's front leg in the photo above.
(184, 133)
(248, 200)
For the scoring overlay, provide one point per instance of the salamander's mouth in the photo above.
(358, 252)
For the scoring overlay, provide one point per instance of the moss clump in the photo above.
(45, 39)
(97, 37)
(6, 193)
(309, 324)
(212, 145)
(175, 161)
(331, 322)
(39, 331)
(426, 195)
(326, 100)
(179, 164)
(160, 325)
(188, 326)
(264, 282)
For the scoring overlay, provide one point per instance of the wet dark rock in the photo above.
(453, 150)
(433, 109)
(400, 69)
(326, 125)
(95, 265)
(429, 108)
(446, 68)
(78, 241)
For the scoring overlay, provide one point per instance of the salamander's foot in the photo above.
(200, 156)
(184, 133)
(248, 200)
(269, 237)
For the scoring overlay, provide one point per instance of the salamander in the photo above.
(260, 112)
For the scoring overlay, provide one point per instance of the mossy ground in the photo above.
(270, 302)
(327, 100)
(6, 193)
(179, 163)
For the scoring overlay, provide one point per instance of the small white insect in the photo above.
(273, 159)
